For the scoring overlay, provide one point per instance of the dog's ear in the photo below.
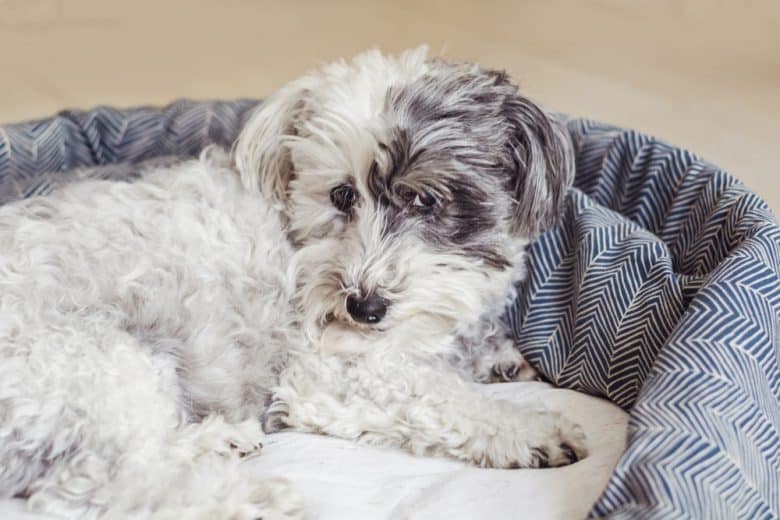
(542, 164)
(261, 152)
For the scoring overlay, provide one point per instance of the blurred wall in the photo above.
(701, 73)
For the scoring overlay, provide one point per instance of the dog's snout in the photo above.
(370, 309)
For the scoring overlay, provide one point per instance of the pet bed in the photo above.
(659, 291)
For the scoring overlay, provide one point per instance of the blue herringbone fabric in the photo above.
(660, 291)
(33, 154)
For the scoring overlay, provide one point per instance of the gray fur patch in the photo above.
(491, 159)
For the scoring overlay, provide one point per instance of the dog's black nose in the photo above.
(370, 309)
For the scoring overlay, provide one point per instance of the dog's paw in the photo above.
(533, 439)
(512, 370)
(558, 454)
(247, 438)
(214, 434)
(509, 365)
(563, 444)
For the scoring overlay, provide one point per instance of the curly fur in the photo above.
(149, 328)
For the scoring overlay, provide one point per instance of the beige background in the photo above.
(701, 73)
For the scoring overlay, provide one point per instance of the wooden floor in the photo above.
(700, 73)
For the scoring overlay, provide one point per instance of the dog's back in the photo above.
(103, 284)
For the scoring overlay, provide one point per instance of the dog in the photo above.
(343, 270)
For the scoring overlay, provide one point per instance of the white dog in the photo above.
(344, 271)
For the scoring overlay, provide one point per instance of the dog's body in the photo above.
(345, 275)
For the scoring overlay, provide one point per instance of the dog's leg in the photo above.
(91, 425)
(425, 411)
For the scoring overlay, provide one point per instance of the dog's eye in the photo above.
(343, 197)
(424, 200)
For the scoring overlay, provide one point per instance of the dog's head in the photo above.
(411, 187)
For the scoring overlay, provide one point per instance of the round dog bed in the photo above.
(660, 291)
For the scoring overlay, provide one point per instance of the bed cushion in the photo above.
(659, 291)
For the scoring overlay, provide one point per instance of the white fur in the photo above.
(146, 328)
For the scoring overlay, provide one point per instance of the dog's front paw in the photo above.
(247, 438)
(562, 443)
(511, 370)
(544, 440)
(215, 434)
(558, 454)
(509, 365)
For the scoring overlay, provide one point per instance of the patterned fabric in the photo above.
(33, 154)
(660, 291)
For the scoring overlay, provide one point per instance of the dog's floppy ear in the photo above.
(543, 164)
(261, 152)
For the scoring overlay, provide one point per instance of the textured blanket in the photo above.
(660, 291)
